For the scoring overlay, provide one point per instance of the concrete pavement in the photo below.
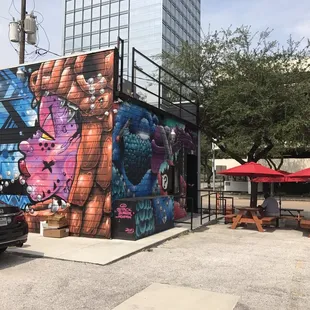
(163, 296)
(91, 250)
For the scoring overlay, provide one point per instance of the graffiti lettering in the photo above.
(129, 231)
(123, 212)
(165, 181)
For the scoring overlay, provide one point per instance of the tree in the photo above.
(206, 158)
(252, 92)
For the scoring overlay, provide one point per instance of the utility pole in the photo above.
(22, 32)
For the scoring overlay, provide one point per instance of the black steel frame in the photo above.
(192, 211)
(182, 98)
(223, 203)
(120, 65)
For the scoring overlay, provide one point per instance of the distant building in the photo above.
(151, 26)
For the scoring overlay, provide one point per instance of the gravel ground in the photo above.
(267, 270)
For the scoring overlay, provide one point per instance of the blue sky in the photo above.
(284, 16)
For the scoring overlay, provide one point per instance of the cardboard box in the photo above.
(56, 233)
(57, 221)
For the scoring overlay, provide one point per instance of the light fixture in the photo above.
(20, 74)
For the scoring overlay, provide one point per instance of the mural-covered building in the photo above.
(72, 143)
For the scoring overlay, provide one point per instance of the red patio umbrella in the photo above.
(252, 170)
(305, 174)
(286, 178)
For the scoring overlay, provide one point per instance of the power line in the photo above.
(48, 41)
(13, 3)
(46, 51)
(5, 18)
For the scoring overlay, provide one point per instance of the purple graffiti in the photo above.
(50, 155)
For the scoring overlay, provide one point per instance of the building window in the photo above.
(105, 10)
(87, 3)
(69, 31)
(124, 20)
(95, 25)
(86, 41)
(95, 39)
(78, 16)
(124, 33)
(124, 5)
(69, 45)
(78, 4)
(69, 18)
(104, 38)
(115, 7)
(96, 12)
(113, 35)
(87, 14)
(78, 29)
(86, 28)
(105, 23)
(114, 21)
(70, 5)
(77, 43)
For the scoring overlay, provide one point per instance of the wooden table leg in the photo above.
(237, 220)
(257, 221)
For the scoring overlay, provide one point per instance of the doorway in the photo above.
(192, 182)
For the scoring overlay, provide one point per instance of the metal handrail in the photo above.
(192, 212)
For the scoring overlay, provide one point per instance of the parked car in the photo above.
(13, 227)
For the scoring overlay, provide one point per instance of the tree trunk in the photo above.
(254, 190)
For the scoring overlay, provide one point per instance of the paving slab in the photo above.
(163, 296)
(91, 250)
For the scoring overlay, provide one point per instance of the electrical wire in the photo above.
(37, 12)
(5, 18)
(13, 3)
(9, 11)
(45, 51)
(48, 40)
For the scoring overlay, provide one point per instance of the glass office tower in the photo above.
(151, 26)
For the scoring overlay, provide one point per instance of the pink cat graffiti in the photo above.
(50, 155)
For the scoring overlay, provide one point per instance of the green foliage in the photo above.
(252, 92)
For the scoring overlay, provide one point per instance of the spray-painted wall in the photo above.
(145, 146)
(62, 137)
(56, 141)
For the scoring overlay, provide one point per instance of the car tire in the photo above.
(2, 250)
(20, 244)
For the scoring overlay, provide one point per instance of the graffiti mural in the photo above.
(144, 148)
(56, 141)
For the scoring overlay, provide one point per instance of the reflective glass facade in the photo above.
(152, 26)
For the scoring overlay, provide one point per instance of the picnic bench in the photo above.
(249, 216)
(290, 214)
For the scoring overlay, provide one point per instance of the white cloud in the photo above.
(284, 16)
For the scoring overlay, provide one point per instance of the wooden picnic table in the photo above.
(291, 212)
(249, 216)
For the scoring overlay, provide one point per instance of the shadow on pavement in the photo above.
(9, 259)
